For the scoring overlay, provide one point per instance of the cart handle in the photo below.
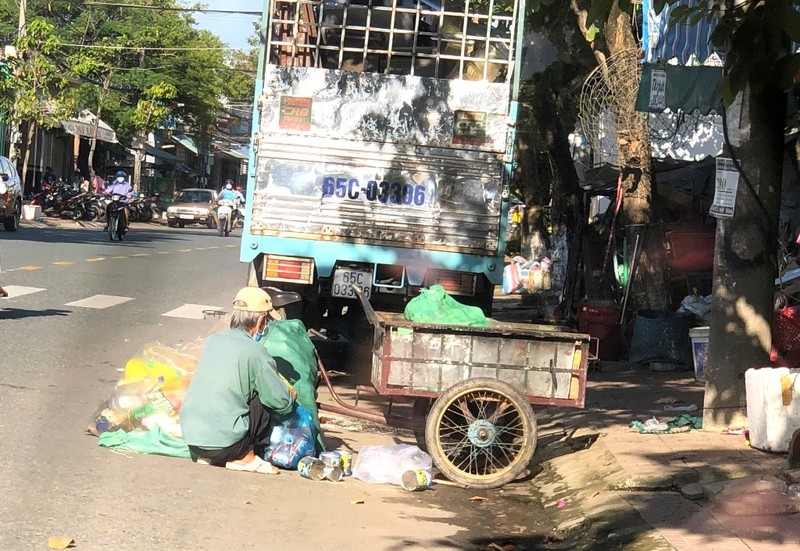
(372, 317)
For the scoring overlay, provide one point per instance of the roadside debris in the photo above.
(57, 542)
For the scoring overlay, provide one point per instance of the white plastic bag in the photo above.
(386, 464)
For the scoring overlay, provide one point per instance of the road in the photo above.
(80, 306)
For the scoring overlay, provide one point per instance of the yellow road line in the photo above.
(184, 250)
(63, 263)
(121, 257)
(98, 259)
(29, 268)
(137, 255)
(164, 252)
(12, 270)
(231, 246)
(214, 247)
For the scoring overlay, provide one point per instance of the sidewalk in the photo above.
(737, 501)
(619, 489)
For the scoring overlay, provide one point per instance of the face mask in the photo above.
(260, 334)
(120, 179)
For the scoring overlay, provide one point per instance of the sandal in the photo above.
(257, 465)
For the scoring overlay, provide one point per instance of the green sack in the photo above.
(152, 441)
(287, 341)
(435, 306)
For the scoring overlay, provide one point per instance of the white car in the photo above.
(10, 195)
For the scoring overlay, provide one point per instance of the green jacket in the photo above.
(232, 369)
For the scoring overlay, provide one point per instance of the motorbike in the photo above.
(54, 200)
(225, 218)
(116, 218)
(144, 209)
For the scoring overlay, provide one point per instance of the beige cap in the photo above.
(253, 299)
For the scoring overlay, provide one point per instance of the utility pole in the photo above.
(14, 134)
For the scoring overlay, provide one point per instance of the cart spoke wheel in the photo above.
(481, 433)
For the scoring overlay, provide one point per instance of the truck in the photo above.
(382, 149)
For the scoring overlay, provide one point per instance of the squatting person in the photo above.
(225, 417)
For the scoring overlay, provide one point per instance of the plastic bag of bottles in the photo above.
(130, 405)
(292, 438)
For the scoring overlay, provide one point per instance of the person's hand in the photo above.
(292, 393)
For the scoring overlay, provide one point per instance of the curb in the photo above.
(589, 501)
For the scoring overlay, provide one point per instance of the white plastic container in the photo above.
(699, 337)
(773, 406)
(31, 212)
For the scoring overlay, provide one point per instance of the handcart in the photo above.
(480, 429)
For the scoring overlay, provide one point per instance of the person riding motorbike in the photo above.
(120, 186)
(238, 204)
(227, 196)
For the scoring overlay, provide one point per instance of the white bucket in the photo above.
(699, 337)
(773, 407)
(31, 212)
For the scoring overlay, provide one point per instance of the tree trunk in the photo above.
(745, 260)
(27, 154)
(137, 163)
(633, 152)
(93, 142)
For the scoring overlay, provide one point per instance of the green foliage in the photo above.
(120, 60)
(152, 108)
(32, 89)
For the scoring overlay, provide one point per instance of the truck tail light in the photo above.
(455, 283)
(289, 269)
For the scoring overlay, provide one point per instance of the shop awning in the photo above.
(84, 126)
(677, 87)
(186, 142)
(160, 154)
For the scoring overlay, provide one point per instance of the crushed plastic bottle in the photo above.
(654, 425)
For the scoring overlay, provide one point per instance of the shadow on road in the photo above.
(137, 234)
(19, 313)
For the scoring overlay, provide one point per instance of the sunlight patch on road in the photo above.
(18, 290)
(99, 302)
(191, 311)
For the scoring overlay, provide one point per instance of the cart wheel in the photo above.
(481, 433)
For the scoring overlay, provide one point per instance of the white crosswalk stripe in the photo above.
(193, 311)
(99, 302)
(19, 291)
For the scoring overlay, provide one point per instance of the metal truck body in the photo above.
(382, 149)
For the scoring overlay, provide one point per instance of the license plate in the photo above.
(343, 280)
(186, 217)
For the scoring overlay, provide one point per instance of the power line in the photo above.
(148, 48)
(165, 8)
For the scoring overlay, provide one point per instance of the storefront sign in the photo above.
(727, 182)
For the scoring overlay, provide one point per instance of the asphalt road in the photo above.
(80, 308)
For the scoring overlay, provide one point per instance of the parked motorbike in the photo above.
(116, 218)
(54, 200)
(224, 218)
